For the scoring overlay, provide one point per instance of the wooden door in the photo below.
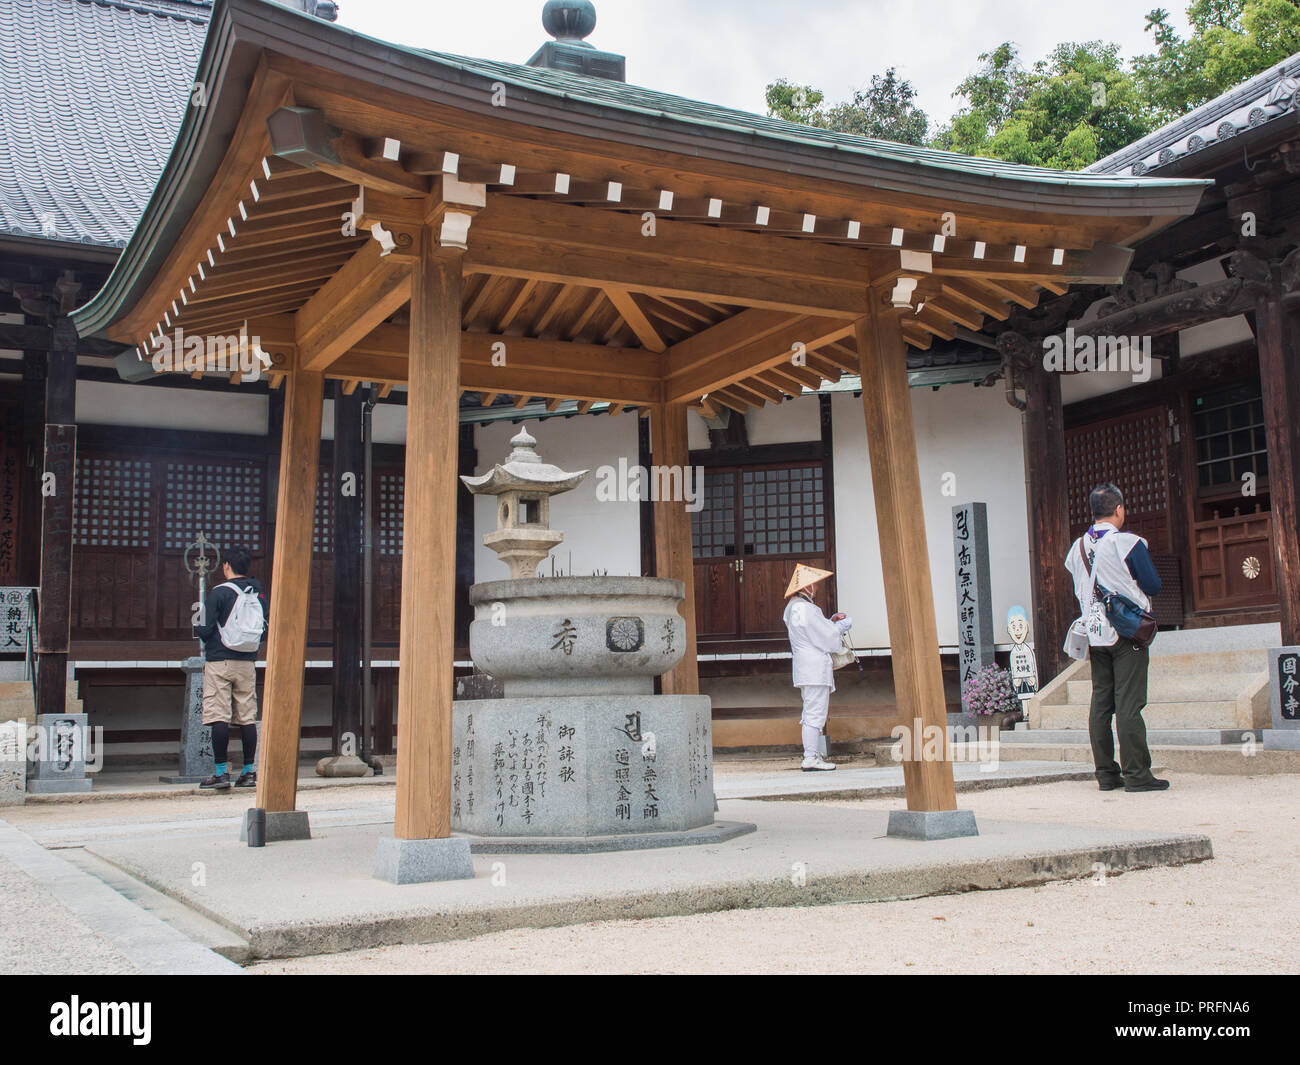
(756, 523)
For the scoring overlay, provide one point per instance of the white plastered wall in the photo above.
(604, 535)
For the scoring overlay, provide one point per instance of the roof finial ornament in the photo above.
(569, 20)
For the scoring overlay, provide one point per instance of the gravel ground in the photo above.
(1220, 916)
(39, 935)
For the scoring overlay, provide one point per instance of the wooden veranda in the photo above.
(378, 214)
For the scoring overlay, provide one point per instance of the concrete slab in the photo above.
(319, 896)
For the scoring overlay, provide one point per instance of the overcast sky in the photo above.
(726, 51)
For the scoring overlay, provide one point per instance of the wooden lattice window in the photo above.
(1129, 452)
(713, 526)
(1229, 429)
(783, 511)
(223, 500)
(388, 499)
(111, 502)
(322, 536)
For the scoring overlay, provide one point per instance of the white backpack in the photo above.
(246, 624)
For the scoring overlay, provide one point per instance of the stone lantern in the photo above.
(523, 485)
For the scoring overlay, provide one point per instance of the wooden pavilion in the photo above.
(379, 213)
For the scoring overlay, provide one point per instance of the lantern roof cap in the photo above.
(524, 470)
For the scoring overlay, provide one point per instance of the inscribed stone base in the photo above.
(281, 825)
(60, 749)
(1284, 687)
(422, 861)
(932, 824)
(581, 765)
(196, 760)
(13, 763)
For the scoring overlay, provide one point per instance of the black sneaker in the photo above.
(247, 780)
(216, 783)
(1151, 785)
(1109, 785)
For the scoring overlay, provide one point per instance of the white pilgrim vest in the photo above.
(1109, 559)
(812, 639)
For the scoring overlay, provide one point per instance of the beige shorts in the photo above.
(230, 683)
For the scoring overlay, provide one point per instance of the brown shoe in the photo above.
(1151, 785)
(216, 783)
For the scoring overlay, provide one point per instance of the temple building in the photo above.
(314, 216)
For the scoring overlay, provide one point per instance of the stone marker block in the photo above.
(590, 765)
(423, 861)
(932, 824)
(13, 763)
(281, 825)
(1284, 687)
(60, 748)
(342, 765)
(196, 759)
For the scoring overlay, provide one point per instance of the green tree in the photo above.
(1230, 41)
(886, 110)
(1068, 110)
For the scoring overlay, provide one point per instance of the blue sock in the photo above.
(221, 768)
(249, 767)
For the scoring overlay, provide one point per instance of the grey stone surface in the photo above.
(581, 766)
(1217, 638)
(13, 763)
(577, 635)
(479, 686)
(196, 758)
(970, 550)
(423, 861)
(1281, 739)
(932, 824)
(718, 832)
(1284, 687)
(342, 765)
(291, 900)
(60, 749)
(281, 825)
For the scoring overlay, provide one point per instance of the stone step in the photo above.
(1183, 737)
(1168, 687)
(1219, 759)
(1211, 714)
(1240, 660)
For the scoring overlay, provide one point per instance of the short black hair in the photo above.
(1104, 499)
(238, 559)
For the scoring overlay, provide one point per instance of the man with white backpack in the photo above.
(232, 626)
(1103, 561)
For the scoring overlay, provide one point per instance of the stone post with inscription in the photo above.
(1284, 682)
(970, 549)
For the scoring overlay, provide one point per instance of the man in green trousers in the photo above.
(1120, 562)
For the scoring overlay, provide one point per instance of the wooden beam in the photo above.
(674, 555)
(286, 644)
(368, 289)
(905, 558)
(626, 304)
(424, 692)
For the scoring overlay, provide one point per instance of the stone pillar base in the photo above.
(281, 825)
(932, 824)
(342, 765)
(422, 861)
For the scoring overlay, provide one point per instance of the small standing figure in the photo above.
(1024, 664)
(813, 639)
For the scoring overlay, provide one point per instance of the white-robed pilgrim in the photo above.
(813, 638)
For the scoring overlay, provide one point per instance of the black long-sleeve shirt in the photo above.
(216, 609)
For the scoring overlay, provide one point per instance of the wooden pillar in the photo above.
(674, 554)
(424, 687)
(286, 646)
(1279, 374)
(347, 487)
(58, 485)
(32, 397)
(904, 556)
(465, 538)
(1049, 521)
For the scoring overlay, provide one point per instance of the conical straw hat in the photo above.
(804, 576)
